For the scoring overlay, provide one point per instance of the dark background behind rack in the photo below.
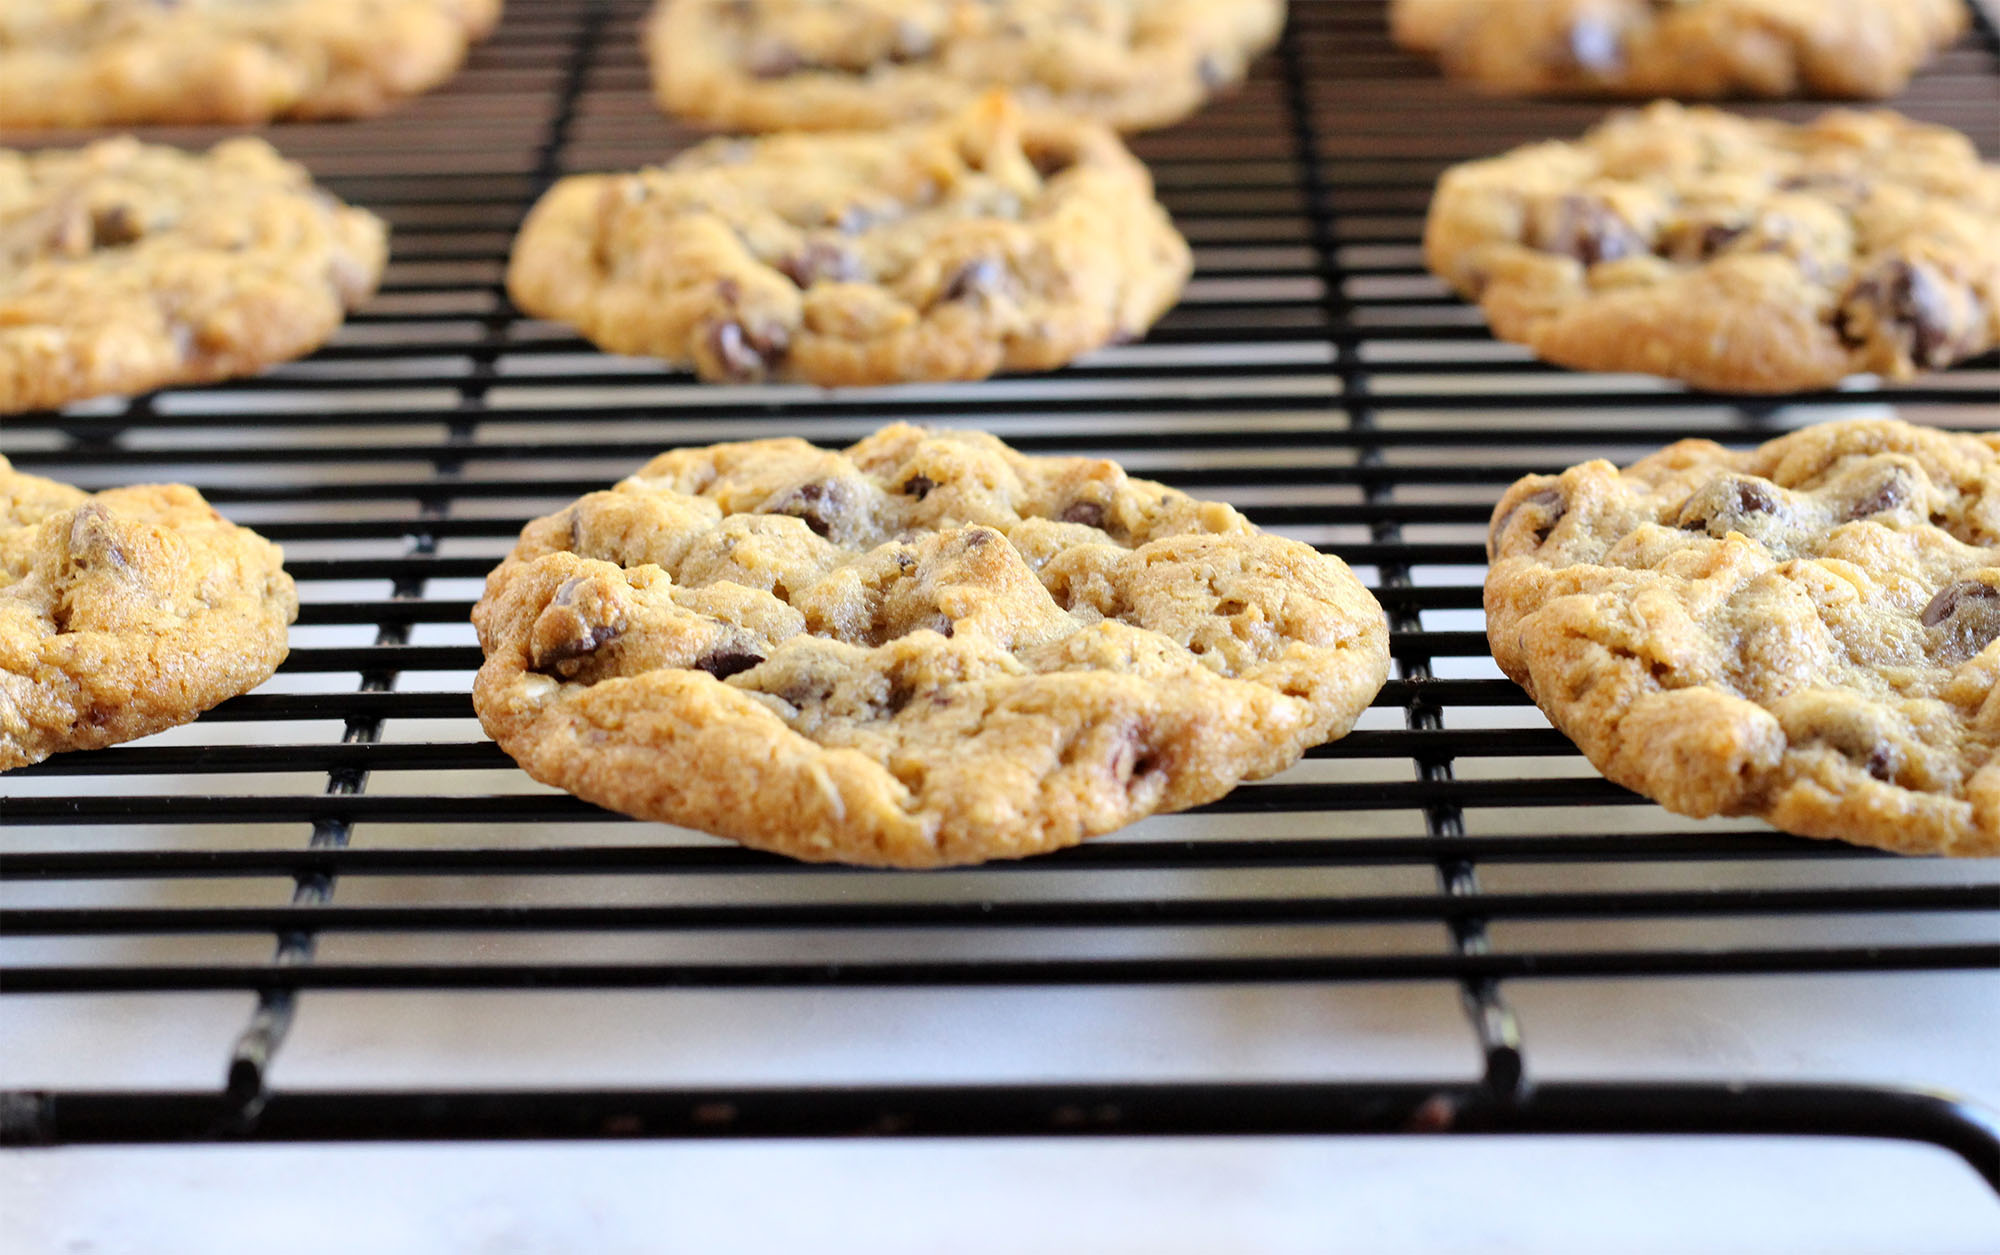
(1315, 375)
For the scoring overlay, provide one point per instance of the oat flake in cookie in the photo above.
(126, 267)
(1681, 48)
(125, 612)
(769, 65)
(924, 650)
(83, 63)
(1808, 632)
(1735, 254)
(996, 241)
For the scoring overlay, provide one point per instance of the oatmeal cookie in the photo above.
(126, 267)
(770, 65)
(924, 650)
(1808, 632)
(83, 63)
(1681, 48)
(125, 612)
(1737, 255)
(1000, 240)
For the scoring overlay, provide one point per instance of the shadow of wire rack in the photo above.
(1315, 375)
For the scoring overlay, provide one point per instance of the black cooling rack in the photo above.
(1314, 375)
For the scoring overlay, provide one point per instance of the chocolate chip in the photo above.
(1211, 71)
(741, 354)
(1826, 183)
(115, 226)
(1907, 302)
(589, 641)
(1594, 46)
(1549, 501)
(772, 58)
(975, 280)
(723, 663)
(1727, 505)
(1893, 492)
(1692, 242)
(822, 504)
(1967, 617)
(912, 42)
(93, 540)
(919, 486)
(1590, 231)
(1881, 763)
(1088, 513)
(822, 260)
(1050, 160)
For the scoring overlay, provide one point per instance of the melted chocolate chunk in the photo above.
(1049, 161)
(1967, 618)
(822, 504)
(919, 486)
(1548, 500)
(1594, 46)
(723, 663)
(1590, 231)
(93, 540)
(1909, 303)
(1894, 491)
(819, 260)
(1088, 513)
(1693, 242)
(115, 226)
(743, 354)
(1728, 505)
(975, 280)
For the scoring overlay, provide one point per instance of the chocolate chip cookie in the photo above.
(1681, 48)
(126, 267)
(126, 612)
(924, 650)
(768, 65)
(79, 63)
(1738, 255)
(997, 240)
(1808, 632)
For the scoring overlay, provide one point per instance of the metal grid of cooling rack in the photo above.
(1314, 375)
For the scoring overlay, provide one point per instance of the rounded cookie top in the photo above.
(1807, 632)
(768, 65)
(125, 612)
(924, 650)
(1735, 254)
(125, 267)
(85, 63)
(1681, 48)
(997, 240)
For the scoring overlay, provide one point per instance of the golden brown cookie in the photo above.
(924, 650)
(1735, 254)
(126, 267)
(80, 63)
(1681, 48)
(996, 241)
(1807, 632)
(773, 65)
(125, 612)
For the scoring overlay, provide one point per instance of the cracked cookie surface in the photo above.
(126, 267)
(924, 650)
(1681, 48)
(1807, 632)
(125, 612)
(1000, 240)
(1734, 254)
(769, 65)
(83, 63)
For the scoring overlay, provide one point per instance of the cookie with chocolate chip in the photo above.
(1735, 254)
(126, 267)
(1686, 49)
(771, 65)
(1807, 632)
(999, 240)
(66, 63)
(923, 650)
(126, 612)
